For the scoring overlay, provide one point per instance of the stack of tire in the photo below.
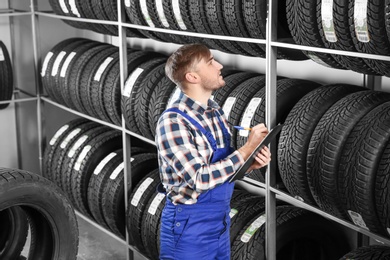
(369, 252)
(91, 9)
(356, 26)
(6, 76)
(300, 234)
(29, 202)
(333, 153)
(85, 159)
(228, 18)
(84, 75)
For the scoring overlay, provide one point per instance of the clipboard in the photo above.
(240, 173)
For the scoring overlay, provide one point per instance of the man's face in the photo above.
(209, 71)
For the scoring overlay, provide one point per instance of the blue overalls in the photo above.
(201, 230)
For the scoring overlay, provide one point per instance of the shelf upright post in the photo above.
(38, 85)
(125, 137)
(372, 82)
(270, 118)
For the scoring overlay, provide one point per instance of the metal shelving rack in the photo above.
(271, 44)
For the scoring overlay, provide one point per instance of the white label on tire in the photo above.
(357, 219)
(103, 163)
(145, 13)
(248, 115)
(155, 203)
(140, 191)
(58, 134)
(117, 170)
(161, 14)
(57, 62)
(45, 63)
(127, 3)
(66, 63)
(73, 8)
(232, 213)
(250, 231)
(360, 20)
(69, 137)
(129, 84)
(176, 12)
(102, 68)
(227, 107)
(81, 157)
(327, 20)
(2, 58)
(63, 6)
(174, 96)
(78, 143)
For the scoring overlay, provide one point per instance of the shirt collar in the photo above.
(193, 104)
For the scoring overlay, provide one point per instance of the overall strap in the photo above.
(208, 135)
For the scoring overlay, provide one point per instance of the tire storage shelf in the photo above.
(273, 48)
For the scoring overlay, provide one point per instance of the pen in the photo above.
(242, 128)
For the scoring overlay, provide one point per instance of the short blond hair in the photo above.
(183, 60)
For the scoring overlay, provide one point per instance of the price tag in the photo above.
(228, 105)
(45, 63)
(232, 213)
(250, 231)
(63, 6)
(248, 115)
(81, 158)
(357, 219)
(360, 20)
(327, 20)
(70, 137)
(103, 163)
(127, 3)
(57, 62)
(131, 81)
(155, 203)
(102, 68)
(161, 14)
(140, 191)
(66, 63)
(73, 8)
(58, 134)
(176, 12)
(2, 58)
(117, 170)
(145, 13)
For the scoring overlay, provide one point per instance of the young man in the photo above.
(196, 160)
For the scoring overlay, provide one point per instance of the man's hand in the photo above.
(262, 159)
(256, 135)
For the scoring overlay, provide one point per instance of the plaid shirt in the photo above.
(185, 154)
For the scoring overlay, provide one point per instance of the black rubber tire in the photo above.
(300, 234)
(14, 230)
(326, 146)
(377, 26)
(159, 101)
(296, 133)
(242, 94)
(342, 36)
(231, 82)
(92, 153)
(6, 76)
(113, 197)
(85, 9)
(372, 252)
(150, 229)
(302, 21)
(138, 200)
(358, 167)
(100, 12)
(51, 147)
(53, 223)
(70, 158)
(149, 84)
(234, 20)
(131, 96)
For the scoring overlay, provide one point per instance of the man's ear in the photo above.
(192, 77)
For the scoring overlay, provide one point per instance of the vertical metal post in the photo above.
(270, 118)
(372, 82)
(38, 88)
(125, 137)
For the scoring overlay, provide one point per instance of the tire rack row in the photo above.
(271, 64)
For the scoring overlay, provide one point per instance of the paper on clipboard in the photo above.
(240, 173)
